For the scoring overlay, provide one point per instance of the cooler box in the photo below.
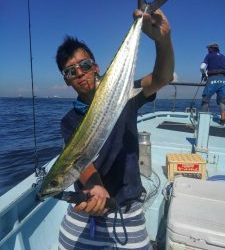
(185, 164)
(196, 218)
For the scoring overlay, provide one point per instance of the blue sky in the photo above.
(102, 25)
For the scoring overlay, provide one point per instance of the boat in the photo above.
(182, 161)
(182, 164)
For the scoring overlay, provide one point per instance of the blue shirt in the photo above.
(215, 61)
(117, 162)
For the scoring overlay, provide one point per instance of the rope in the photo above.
(118, 209)
(156, 186)
(92, 226)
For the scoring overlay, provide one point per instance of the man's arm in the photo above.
(203, 70)
(157, 28)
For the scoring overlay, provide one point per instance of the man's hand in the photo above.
(204, 77)
(154, 25)
(96, 204)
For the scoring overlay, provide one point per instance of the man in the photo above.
(115, 173)
(213, 72)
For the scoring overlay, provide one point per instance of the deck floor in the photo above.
(188, 128)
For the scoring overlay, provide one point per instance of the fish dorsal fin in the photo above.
(134, 92)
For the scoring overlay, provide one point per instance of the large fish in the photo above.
(112, 94)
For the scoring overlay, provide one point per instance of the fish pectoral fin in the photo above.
(134, 92)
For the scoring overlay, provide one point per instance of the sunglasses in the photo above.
(70, 72)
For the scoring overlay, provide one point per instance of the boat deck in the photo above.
(174, 132)
(177, 132)
(26, 223)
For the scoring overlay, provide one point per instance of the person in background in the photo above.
(115, 173)
(213, 73)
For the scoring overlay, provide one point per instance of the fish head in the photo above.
(51, 185)
(55, 183)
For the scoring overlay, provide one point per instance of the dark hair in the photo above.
(66, 49)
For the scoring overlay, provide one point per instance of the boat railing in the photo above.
(191, 100)
(186, 84)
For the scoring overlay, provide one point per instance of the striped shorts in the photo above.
(80, 231)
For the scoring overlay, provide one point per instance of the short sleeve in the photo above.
(140, 99)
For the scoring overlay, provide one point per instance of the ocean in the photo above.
(17, 151)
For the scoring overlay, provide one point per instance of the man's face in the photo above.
(83, 72)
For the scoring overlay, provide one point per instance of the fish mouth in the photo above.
(42, 196)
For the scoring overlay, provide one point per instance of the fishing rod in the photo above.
(192, 103)
(150, 7)
(189, 84)
(196, 92)
(38, 171)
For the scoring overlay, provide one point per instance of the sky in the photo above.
(102, 25)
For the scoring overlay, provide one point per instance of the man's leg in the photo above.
(210, 89)
(206, 96)
(222, 113)
(221, 99)
(205, 106)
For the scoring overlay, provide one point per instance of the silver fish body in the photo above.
(112, 94)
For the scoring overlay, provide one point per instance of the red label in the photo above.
(191, 168)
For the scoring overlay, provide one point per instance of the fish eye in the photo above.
(54, 183)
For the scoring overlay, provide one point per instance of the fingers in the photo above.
(156, 26)
(96, 203)
(137, 13)
(99, 207)
(80, 207)
(155, 17)
(94, 206)
(158, 13)
(161, 22)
